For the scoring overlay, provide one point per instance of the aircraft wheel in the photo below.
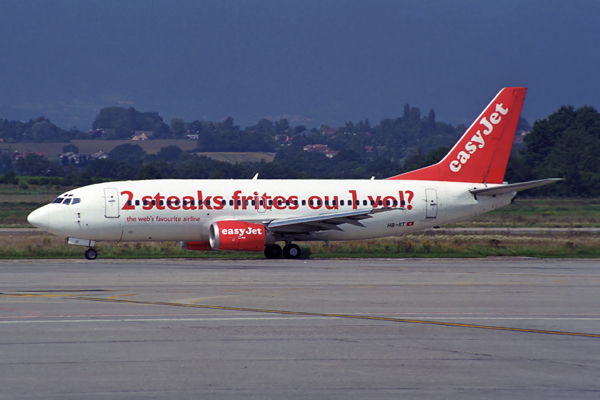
(273, 251)
(91, 254)
(291, 251)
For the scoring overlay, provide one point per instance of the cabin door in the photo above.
(111, 203)
(432, 203)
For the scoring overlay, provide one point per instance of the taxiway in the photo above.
(351, 329)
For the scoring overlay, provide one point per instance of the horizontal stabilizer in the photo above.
(513, 187)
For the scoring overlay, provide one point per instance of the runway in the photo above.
(347, 329)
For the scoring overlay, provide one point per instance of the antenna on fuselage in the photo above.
(255, 177)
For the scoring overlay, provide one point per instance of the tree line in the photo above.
(566, 144)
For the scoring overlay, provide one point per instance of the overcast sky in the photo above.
(329, 61)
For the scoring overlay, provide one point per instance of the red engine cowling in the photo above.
(239, 235)
(198, 246)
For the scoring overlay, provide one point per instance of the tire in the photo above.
(273, 252)
(292, 251)
(91, 254)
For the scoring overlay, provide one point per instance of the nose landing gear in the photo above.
(91, 254)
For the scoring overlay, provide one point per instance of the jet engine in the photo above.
(239, 235)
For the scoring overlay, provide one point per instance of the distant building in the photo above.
(17, 155)
(99, 155)
(95, 133)
(141, 135)
(320, 148)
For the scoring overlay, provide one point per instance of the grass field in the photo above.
(544, 213)
(238, 157)
(430, 244)
(53, 150)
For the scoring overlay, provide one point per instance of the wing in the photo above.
(321, 222)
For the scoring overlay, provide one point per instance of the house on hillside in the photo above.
(320, 148)
(17, 155)
(191, 135)
(99, 155)
(95, 133)
(141, 135)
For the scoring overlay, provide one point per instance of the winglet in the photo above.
(481, 154)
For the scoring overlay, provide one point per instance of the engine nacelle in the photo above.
(239, 235)
(197, 246)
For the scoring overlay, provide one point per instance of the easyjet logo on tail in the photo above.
(478, 139)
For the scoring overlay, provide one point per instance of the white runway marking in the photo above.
(154, 320)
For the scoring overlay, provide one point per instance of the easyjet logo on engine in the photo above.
(477, 140)
(241, 232)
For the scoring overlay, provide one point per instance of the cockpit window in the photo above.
(58, 200)
(76, 200)
(67, 201)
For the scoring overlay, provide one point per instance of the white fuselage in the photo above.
(183, 210)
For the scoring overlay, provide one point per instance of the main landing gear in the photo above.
(290, 251)
(91, 254)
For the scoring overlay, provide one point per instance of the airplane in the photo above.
(253, 214)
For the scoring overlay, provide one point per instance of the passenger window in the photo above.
(230, 202)
(380, 202)
(303, 202)
(358, 202)
(137, 202)
(145, 202)
(310, 203)
(270, 202)
(153, 202)
(207, 202)
(253, 202)
(129, 202)
(168, 202)
(295, 202)
(395, 203)
(364, 202)
(326, 202)
(341, 202)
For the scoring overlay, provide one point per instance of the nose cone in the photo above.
(39, 218)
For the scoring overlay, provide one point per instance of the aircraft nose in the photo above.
(39, 218)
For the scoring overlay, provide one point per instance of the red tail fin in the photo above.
(482, 152)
